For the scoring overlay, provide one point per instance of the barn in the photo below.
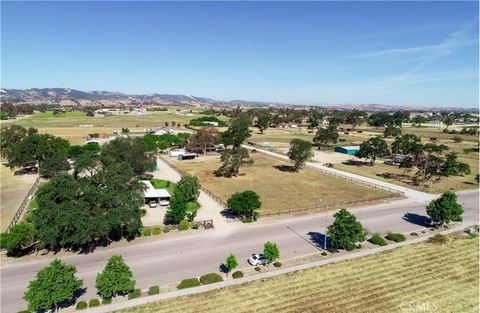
(350, 150)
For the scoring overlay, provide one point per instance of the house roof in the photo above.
(151, 192)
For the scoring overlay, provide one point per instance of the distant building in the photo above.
(350, 150)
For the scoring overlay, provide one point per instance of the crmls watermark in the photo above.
(418, 306)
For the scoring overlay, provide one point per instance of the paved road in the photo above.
(167, 261)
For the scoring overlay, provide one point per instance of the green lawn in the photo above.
(163, 184)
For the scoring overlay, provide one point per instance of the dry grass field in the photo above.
(418, 278)
(13, 191)
(278, 190)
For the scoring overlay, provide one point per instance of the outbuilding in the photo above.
(350, 150)
(161, 196)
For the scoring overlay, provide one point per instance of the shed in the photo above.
(161, 196)
(350, 150)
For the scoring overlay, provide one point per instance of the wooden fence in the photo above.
(24, 204)
(339, 175)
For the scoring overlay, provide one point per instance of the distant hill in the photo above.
(68, 96)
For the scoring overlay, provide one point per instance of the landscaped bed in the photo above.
(278, 190)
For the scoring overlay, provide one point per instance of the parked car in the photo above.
(431, 223)
(257, 259)
(152, 204)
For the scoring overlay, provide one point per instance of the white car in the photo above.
(257, 259)
(152, 204)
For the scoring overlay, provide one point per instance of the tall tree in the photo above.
(345, 231)
(132, 151)
(418, 120)
(354, 118)
(189, 187)
(52, 286)
(263, 121)
(325, 136)
(408, 144)
(299, 153)
(448, 120)
(116, 278)
(445, 209)
(372, 148)
(206, 136)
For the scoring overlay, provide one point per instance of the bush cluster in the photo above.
(188, 283)
(184, 225)
(106, 300)
(81, 305)
(157, 230)
(147, 231)
(277, 264)
(136, 293)
(395, 237)
(438, 239)
(237, 274)
(153, 290)
(210, 278)
(377, 240)
(93, 303)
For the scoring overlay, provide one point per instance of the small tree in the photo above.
(445, 209)
(392, 131)
(115, 279)
(231, 263)
(345, 231)
(300, 151)
(53, 285)
(372, 148)
(189, 187)
(20, 237)
(177, 210)
(270, 251)
(244, 203)
(125, 130)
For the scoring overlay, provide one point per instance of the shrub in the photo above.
(438, 239)
(93, 303)
(457, 139)
(237, 274)
(377, 240)
(184, 225)
(188, 283)
(324, 253)
(147, 231)
(153, 290)
(195, 226)
(210, 278)
(414, 234)
(81, 305)
(395, 237)
(106, 300)
(136, 293)
(257, 268)
(157, 230)
(277, 264)
(166, 230)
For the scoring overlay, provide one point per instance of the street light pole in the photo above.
(325, 235)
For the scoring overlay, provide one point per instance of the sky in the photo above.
(394, 53)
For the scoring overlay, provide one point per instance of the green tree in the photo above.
(10, 137)
(372, 148)
(206, 136)
(18, 238)
(325, 136)
(418, 120)
(244, 203)
(345, 231)
(116, 278)
(54, 165)
(448, 120)
(452, 167)
(132, 151)
(380, 119)
(232, 160)
(177, 210)
(52, 286)
(189, 187)
(238, 130)
(445, 209)
(408, 144)
(270, 251)
(392, 131)
(354, 118)
(263, 121)
(300, 151)
(231, 263)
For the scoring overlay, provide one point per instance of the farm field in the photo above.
(13, 189)
(67, 125)
(442, 277)
(278, 190)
